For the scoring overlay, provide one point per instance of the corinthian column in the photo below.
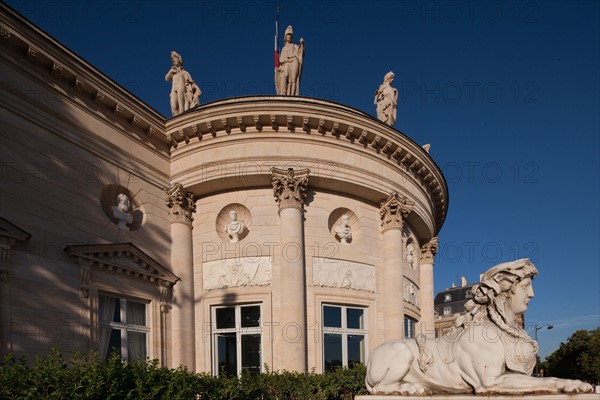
(182, 206)
(428, 251)
(393, 212)
(289, 188)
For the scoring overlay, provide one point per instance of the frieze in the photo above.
(328, 272)
(232, 272)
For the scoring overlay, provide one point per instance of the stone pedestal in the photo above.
(182, 207)
(587, 396)
(289, 189)
(393, 211)
(427, 323)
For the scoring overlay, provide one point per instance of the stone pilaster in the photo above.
(428, 251)
(5, 246)
(394, 211)
(289, 187)
(182, 205)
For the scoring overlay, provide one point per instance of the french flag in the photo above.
(277, 39)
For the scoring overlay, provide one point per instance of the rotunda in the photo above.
(340, 214)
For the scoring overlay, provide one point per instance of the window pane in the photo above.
(409, 328)
(106, 308)
(355, 318)
(251, 353)
(226, 353)
(225, 317)
(136, 313)
(356, 349)
(114, 343)
(332, 351)
(332, 317)
(136, 345)
(250, 316)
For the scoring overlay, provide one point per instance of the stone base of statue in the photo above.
(564, 396)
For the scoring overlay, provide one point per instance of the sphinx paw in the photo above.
(413, 389)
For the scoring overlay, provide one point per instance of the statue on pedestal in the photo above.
(287, 77)
(185, 93)
(234, 228)
(486, 352)
(410, 259)
(343, 231)
(386, 100)
(121, 211)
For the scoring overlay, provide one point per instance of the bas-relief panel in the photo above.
(328, 272)
(232, 272)
(412, 293)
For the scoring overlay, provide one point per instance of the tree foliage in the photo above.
(52, 377)
(579, 358)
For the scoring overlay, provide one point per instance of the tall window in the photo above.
(237, 339)
(344, 336)
(409, 327)
(123, 327)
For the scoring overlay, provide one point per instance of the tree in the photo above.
(579, 358)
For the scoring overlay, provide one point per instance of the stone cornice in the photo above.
(78, 77)
(394, 211)
(305, 116)
(121, 258)
(289, 187)
(181, 204)
(8, 230)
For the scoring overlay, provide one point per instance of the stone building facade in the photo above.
(287, 231)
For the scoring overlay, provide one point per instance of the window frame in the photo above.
(123, 326)
(239, 332)
(344, 331)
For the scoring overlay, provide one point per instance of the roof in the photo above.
(458, 297)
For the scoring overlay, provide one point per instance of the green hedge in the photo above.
(52, 377)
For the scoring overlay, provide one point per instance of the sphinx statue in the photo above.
(485, 353)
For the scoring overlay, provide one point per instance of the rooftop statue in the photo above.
(185, 93)
(287, 77)
(386, 100)
(486, 352)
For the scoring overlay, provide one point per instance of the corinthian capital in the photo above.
(429, 250)
(394, 211)
(181, 203)
(289, 187)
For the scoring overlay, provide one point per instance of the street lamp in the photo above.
(537, 328)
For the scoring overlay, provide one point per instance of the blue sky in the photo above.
(507, 93)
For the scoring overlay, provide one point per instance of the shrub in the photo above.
(86, 377)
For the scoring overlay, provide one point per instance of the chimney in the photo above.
(480, 277)
(463, 281)
(453, 284)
